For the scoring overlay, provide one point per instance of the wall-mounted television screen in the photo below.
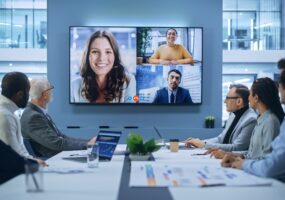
(136, 65)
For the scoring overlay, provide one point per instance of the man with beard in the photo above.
(14, 95)
(173, 94)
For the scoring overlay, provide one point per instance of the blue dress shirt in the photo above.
(273, 164)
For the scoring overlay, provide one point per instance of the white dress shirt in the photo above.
(10, 127)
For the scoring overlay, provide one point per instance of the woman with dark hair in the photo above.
(263, 98)
(171, 53)
(103, 77)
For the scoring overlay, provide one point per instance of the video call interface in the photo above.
(107, 143)
(136, 46)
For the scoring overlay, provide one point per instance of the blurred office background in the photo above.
(253, 39)
(23, 37)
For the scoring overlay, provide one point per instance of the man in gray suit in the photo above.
(38, 127)
(237, 133)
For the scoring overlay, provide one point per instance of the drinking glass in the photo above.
(34, 178)
(93, 156)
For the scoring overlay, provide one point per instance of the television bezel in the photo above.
(135, 104)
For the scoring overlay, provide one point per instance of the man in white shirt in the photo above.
(14, 95)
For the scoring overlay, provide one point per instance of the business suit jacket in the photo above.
(182, 96)
(44, 137)
(240, 138)
(12, 164)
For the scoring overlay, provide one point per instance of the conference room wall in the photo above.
(188, 119)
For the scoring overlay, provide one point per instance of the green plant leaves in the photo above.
(150, 146)
(143, 40)
(210, 118)
(136, 145)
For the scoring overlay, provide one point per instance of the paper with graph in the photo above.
(153, 174)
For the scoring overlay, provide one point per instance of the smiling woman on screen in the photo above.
(103, 77)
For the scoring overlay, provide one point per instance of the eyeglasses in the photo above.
(227, 97)
(51, 87)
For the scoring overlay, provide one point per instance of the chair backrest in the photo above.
(29, 147)
(32, 151)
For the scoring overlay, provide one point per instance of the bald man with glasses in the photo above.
(237, 132)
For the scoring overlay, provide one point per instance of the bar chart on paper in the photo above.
(152, 174)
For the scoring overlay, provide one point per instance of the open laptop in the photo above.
(107, 141)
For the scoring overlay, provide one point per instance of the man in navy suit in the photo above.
(173, 94)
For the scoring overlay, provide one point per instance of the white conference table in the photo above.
(275, 192)
(104, 183)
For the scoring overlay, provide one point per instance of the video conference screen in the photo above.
(136, 65)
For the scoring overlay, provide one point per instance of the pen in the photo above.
(198, 154)
(213, 185)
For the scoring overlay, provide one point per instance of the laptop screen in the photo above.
(107, 141)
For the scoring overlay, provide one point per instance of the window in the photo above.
(254, 27)
(251, 25)
(23, 37)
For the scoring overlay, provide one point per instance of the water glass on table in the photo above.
(34, 178)
(93, 155)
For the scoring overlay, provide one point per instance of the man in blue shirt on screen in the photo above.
(173, 94)
(273, 164)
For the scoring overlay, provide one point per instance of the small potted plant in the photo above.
(140, 150)
(143, 41)
(210, 121)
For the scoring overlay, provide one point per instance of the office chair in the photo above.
(32, 151)
(29, 147)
